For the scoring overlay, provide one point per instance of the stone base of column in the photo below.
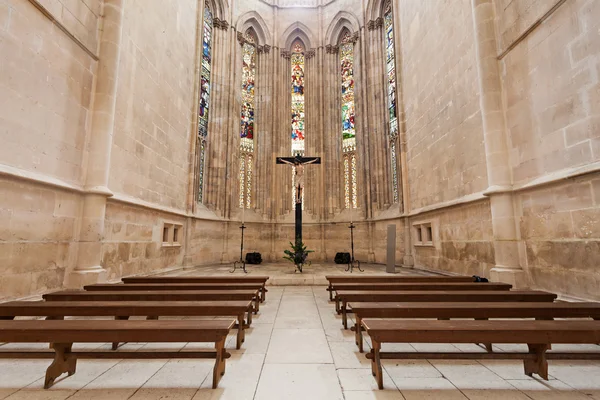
(79, 278)
(516, 277)
(408, 262)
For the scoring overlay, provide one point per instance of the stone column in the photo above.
(88, 268)
(506, 237)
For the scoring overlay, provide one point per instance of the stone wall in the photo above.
(154, 102)
(446, 157)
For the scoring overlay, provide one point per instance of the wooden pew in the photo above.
(62, 334)
(537, 335)
(479, 311)
(123, 310)
(421, 286)
(103, 287)
(156, 295)
(333, 279)
(345, 297)
(201, 279)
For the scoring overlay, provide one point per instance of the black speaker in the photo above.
(253, 258)
(342, 258)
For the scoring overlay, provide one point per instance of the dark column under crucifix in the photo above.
(299, 162)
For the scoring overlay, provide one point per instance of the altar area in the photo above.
(282, 273)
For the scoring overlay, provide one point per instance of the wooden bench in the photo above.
(479, 311)
(537, 335)
(333, 279)
(124, 310)
(156, 295)
(364, 286)
(202, 279)
(345, 297)
(62, 334)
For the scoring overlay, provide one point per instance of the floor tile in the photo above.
(547, 390)
(410, 369)
(373, 395)
(298, 346)
(298, 381)
(362, 379)
(428, 388)
(240, 379)
(494, 394)
(470, 375)
(346, 355)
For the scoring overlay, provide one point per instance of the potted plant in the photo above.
(298, 255)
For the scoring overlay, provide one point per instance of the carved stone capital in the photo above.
(379, 22)
(267, 48)
(286, 54)
(332, 49)
(354, 37)
(310, 53)
(218, 23)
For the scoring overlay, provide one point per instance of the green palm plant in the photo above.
(297, 255)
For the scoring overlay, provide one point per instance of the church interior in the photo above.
(300, 199)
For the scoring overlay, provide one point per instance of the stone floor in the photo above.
(297, 349)
(284, 274)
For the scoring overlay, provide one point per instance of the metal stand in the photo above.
(241, 262)
(353, 262)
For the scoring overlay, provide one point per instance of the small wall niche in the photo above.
(172, 234)
(423, 234)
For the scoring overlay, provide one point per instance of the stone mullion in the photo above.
(336, 136)
(260, 132)
(365, 147)
(275, 76)
(387, 197)
(377, 128)
(360, 120)
(310, 134)
(232, 121)
(212, 189)
(319, 96)
(327, 105)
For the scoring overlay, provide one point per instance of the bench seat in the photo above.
(124, 310)
(537, 335)
(332, 279)
(201, 279)
(156, 295)
(441, 310)
(172, 286)
(364, 286)
(344, 297)
(62, 334)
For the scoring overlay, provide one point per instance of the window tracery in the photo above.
(348, 121)
(204, 106)
(247, 118)
(391, 89)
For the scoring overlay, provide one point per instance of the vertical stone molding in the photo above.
(88, 268)
(506, 239)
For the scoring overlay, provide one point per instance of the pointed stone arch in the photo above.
(253, 20)
(297, 31)
(375, 9)
(219, 8)
(342, 20)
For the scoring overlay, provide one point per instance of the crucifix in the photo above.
(299, 162)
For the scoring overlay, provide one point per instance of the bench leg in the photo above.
(241, 334)
(488, 346)
(376, 363)
(330, 289)
(337, 305)
(539, 364)
(63, 362)
(115, 345)
(256, 305)
(344, 315)
(263, 294)
(219, 369)
(250, 310)
(358, 334)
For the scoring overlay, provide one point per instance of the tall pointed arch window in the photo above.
(298, 103)
(392, 107)
(348, 128)
(204, 106)
(247, 118)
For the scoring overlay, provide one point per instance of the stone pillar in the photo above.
(506, 237)
(88, 268)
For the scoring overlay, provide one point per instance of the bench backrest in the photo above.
(447, 296)
(421, 286)
(394, 278)
(172, 286)
(159, 295)
(195, 279)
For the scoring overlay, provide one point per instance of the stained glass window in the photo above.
(348, 127)
(247, 119)
(204, 106)
(298, 131)
(298, 100)
(392, 110)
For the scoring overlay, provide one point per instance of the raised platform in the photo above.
(282, 274)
